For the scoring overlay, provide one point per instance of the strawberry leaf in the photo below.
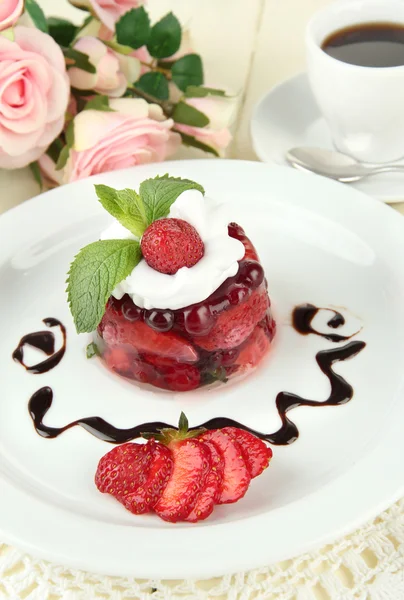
(126, 206)
(160, 193)
(183, 423)
(93, 275)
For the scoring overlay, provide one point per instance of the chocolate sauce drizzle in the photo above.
(341, 391)
(44, 341)
(304, 314)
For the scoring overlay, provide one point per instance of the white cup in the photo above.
(363, 106)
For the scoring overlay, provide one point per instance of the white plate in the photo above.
(320, 242)
(288, 116)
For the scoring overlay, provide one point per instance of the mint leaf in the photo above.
(198, 91)
(154, 84)
(165, 37)
(126, 206)
(37, 15)
(99, 103)
(62, 31)
(160, 193)
(93, 275)
(189, 140)
(188, 115)
(187, 71)
(92, 350)
(74, 58)
(133, 29)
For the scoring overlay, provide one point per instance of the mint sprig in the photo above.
(160, 193)
(126, 206)
(93, 275)
(100, 267)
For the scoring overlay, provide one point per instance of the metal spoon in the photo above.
(335, 164)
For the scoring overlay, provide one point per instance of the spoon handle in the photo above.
(386, 169)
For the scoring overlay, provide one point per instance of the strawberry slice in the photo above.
(144, 339)
(233, 326)
(236, 477)
(255, 452)
(146, 495)
(192, 462)
(255, 349)
(124, 468)
(135, 474)
(211, 493)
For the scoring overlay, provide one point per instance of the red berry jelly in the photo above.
(224, 336)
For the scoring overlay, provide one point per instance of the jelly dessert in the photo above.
(193, 310)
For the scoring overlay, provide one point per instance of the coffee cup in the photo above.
(363, 105)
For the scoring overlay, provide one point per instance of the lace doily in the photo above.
(367, 565)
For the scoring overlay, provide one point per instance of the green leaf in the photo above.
(194, 91)
(92, 350)
(183, 424)
(70, 135)
(165, 37)
(99, 103)
(62, 31)
(55, 149)
(63, 158)
(189, 140)
(79, 60)
(93, 275)
(124, 205)
(133, 29)
(160, 193)
(37, 15)
(154, 84)
(188, 71)
(188, 115)
(36, 172)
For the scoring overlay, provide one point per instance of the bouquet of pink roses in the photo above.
(114, 92)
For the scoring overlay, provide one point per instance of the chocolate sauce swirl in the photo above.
(44, 341)
(304, 314)
(341, 393)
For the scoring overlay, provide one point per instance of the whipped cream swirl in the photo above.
(150, 289)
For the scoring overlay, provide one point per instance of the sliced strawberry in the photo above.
(124, 468)
(192, 462)
(233, 326)
(255, 349)
(255, 452)
(144, 339)
(119, 361)
(147, 494)
(236, 477)
(180, 378)
(211, 493)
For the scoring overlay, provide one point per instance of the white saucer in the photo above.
(288, 116)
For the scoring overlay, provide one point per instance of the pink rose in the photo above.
(10, 11)
(113, 71)
(135, 134)
(108, 11)
(221, 113)
(34, 93)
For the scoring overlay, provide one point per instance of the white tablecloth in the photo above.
(258, 43)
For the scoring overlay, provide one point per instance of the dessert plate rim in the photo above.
(207, 549)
